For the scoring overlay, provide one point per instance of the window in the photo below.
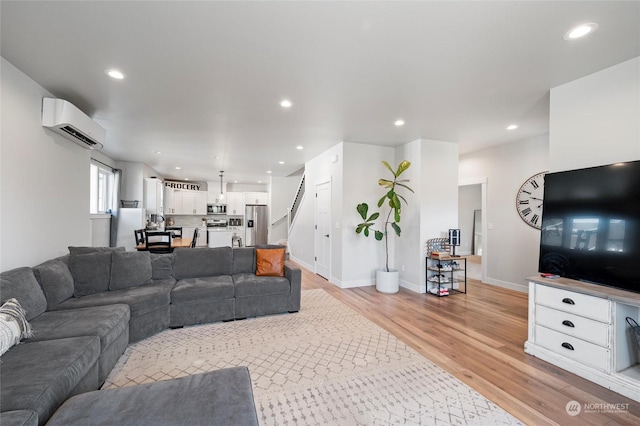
(101, 195)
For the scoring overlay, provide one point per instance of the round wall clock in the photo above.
(529, 200)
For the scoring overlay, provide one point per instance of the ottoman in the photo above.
(222, 397)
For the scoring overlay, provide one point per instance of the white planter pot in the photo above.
(388, 282)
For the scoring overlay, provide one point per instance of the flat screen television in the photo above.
(591, 225)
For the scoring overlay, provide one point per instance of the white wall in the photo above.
(361, 256)
(596, 120)
(44, 179)
(282, 193)
(512, 245)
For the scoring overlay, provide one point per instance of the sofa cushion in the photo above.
(39, 376)
(247, 285)
(205, 288)
(87, 250)
(161, 266)
(141, 300)
(21, 284)
(244, 260)
(56, 281)
(129, 269)
(106, 322)
(270, 262)
(202, 262)
(91, 273)
(19, 418)
(221, 397)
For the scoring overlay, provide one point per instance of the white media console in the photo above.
(581, 328)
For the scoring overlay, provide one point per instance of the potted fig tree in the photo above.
(387, 279)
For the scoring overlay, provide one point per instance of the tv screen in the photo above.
(591, 225)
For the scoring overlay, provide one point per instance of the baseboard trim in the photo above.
(523, 288)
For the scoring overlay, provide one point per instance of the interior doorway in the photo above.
(472, 222)
(323, 230)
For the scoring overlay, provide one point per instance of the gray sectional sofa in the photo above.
(87, 306)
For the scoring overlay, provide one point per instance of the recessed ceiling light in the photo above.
(115, 74)
(235, 181)
(299, 147)
(178, 167)
(285, 103)
(399, 123)
(280, 162)
(259, 181)
(512, 126)
(580, 31)
(268, 171)
(157, 152)
(186, 178)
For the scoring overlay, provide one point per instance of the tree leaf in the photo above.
(363, 209)
(396, 215)
(359, 228)
(396, 228)
(382, 200)
(388, 166)
(396, 202)
(402, 198)
(404, 186)
(386, 183)
(366, 231)
(373, 217)
(379, 235)
(402, 167)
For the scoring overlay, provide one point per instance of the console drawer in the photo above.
(574, 303)
(574, 348)
(573, 325)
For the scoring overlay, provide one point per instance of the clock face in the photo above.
(529, 200)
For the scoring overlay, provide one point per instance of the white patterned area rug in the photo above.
(326, 364)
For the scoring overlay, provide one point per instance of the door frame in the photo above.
(317, 239)
(485, 235)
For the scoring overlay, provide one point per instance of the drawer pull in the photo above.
(567, 346)
(568, 323)
(568, 301)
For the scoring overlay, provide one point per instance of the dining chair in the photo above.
(195, 238)
(139, 235)
(159, 242)
(176, 231)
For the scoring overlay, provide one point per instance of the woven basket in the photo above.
(438, 245)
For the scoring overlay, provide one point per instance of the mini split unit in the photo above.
(64, 118)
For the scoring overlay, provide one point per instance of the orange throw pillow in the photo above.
(270, 262)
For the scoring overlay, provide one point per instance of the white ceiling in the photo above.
(205, 79)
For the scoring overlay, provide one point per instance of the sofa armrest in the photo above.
(294, 275)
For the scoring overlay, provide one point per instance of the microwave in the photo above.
(216, 209)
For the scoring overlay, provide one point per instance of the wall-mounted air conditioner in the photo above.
(64, 118)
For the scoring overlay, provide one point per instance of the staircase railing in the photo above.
(297, 201)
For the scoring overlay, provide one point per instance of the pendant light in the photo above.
(221, 193)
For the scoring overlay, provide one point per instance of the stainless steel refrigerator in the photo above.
(256, 225)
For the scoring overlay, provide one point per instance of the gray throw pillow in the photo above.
(91, 272)
(161, 266)
(21, 284)
(56, 281)
(129, 269)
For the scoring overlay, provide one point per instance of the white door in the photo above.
(323, 230)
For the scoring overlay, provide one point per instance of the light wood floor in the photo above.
(479, 338)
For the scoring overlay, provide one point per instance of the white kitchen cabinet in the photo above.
(256, 198)
(235, 203)
(153, 196)
(213, 193)
(185, 202)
